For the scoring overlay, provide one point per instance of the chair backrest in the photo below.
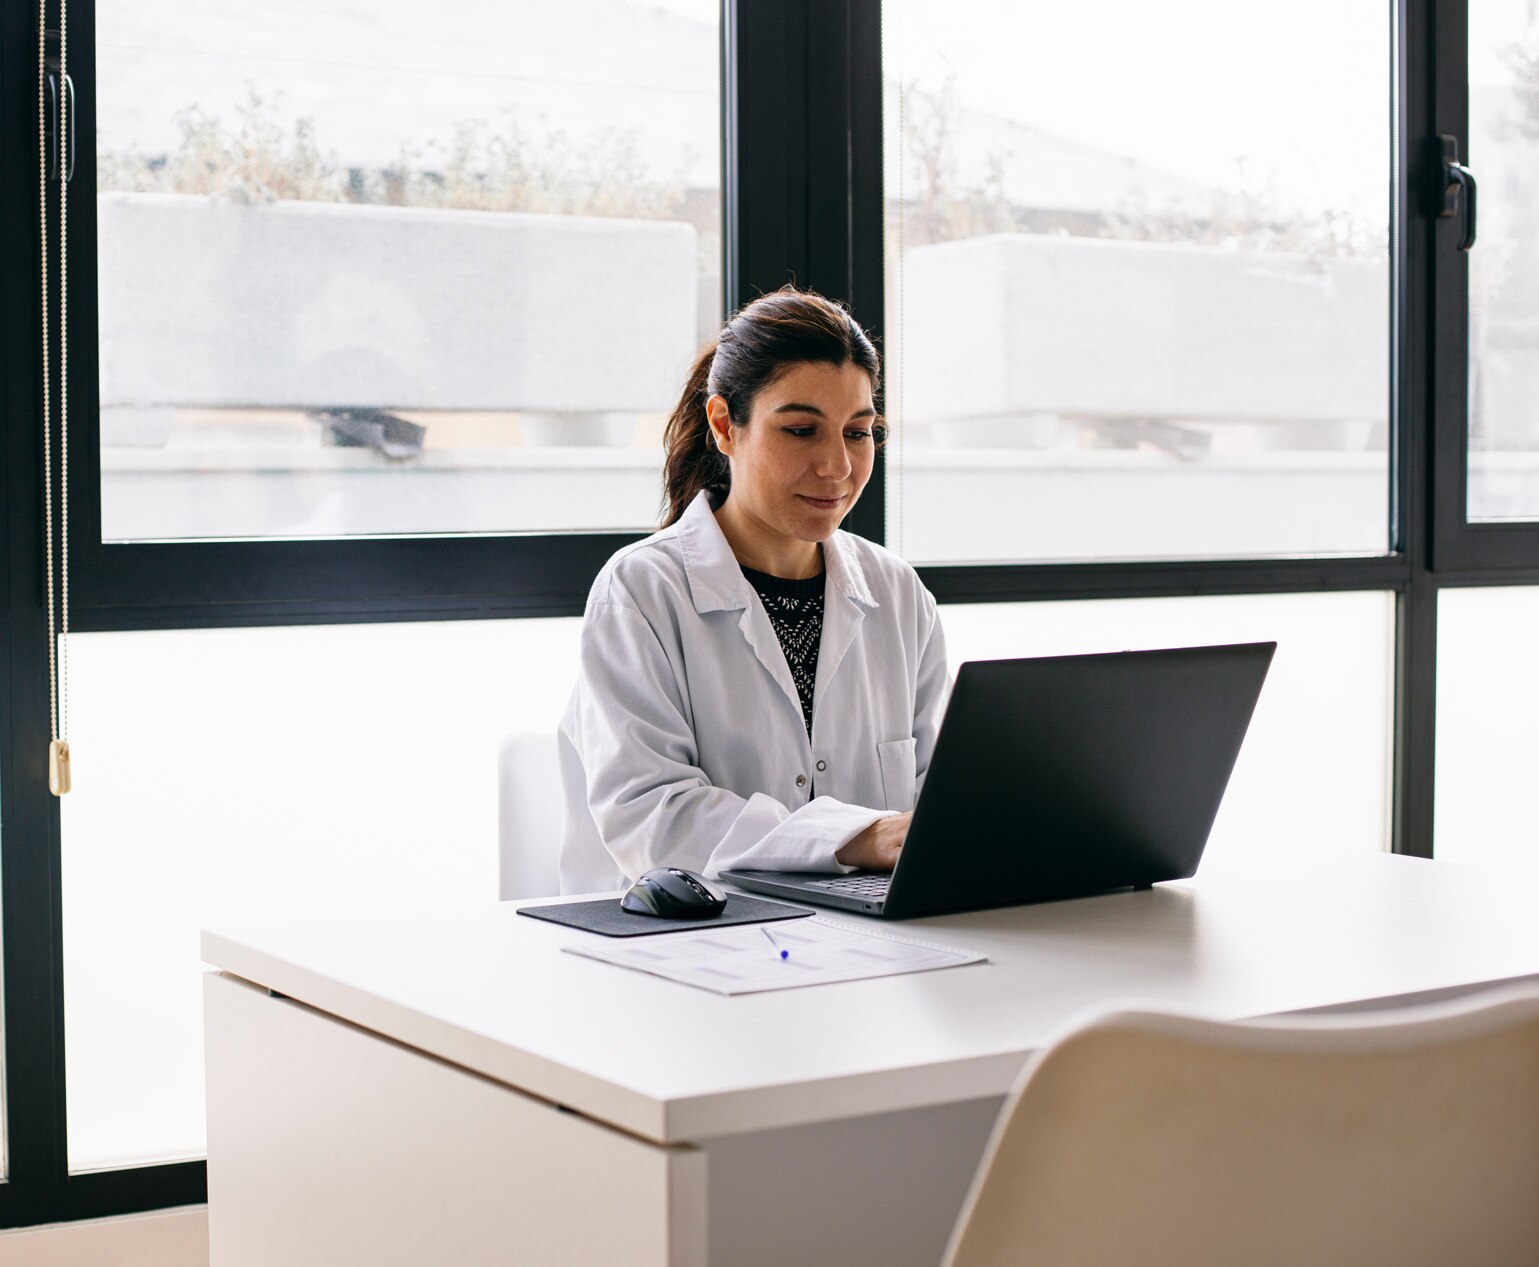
(530, 817)
(1403, 1137)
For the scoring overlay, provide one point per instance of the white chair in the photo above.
(1407, 1137)
(531, 817)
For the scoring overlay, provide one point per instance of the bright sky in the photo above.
(1494, 25)
(376, 78)
(1294, 98)
(1299, 93)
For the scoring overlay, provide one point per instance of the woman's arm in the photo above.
(652, 803)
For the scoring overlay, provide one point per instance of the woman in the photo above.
(757, 689)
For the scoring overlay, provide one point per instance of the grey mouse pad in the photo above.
(606, 916)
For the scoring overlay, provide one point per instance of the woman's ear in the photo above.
(720, 421)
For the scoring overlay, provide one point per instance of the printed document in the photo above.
(743, 960)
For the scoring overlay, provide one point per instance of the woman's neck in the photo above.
(764, 551)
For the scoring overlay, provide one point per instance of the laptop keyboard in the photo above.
(857, 885)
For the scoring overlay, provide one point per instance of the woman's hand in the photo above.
(876, 848)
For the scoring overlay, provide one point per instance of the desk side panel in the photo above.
(881, 1190)
(330, 1145)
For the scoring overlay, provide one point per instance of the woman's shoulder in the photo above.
(641, 572)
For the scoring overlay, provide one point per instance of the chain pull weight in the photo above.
(54, 88)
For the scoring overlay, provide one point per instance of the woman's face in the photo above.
(805, 456)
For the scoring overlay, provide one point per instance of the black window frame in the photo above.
(1464, 552)
(802, 202)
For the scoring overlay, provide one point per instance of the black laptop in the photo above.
(1060, 777)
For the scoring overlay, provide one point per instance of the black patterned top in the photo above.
(795, 610)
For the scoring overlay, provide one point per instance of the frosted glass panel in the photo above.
(1314, 771)
(233, 775)
(1487, 740)
(252, 775)
(5, 1146)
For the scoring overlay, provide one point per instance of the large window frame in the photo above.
(803, 202)
(1464, 552)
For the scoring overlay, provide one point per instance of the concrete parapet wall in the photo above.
(1023, 324)
(951, 506)
(319, 305)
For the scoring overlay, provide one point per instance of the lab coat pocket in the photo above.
(897, 761)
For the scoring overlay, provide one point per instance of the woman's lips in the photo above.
(822, 503)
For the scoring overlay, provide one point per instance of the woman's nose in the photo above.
(833, 460)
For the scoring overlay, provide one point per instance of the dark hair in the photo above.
(759, 343)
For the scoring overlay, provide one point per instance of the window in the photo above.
(1333, 660)
(1237, 198)
(5, 1160)
(1137, 300)
(399, 270)
(1504, 297)
(1487, 698)
(247, 775)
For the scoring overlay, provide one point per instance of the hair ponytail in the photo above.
(762, 339)
(693, 461)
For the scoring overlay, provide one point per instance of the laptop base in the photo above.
(804, 886)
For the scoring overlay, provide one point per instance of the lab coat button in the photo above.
(822, 765)
(801, 780)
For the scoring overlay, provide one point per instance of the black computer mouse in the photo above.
(674, 893)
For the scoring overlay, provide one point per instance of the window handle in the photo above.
(69, 175)
(1456, 178)
(51, 131)
(61, 97)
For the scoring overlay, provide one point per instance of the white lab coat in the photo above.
(685, 744)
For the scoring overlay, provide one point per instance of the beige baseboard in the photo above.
(164, 1238)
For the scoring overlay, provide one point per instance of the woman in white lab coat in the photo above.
(757, 688)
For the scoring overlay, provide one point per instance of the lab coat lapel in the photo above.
(846, 598)
(717, 583)
(756, 627)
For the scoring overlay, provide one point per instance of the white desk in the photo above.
(448, 1087)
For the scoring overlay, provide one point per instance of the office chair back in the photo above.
(1408, 1137)
(531, 817)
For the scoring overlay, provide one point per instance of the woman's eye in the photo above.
(858, 434)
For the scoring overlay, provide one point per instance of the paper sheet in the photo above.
(742, 960)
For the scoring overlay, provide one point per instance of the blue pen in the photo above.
(784, 953)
